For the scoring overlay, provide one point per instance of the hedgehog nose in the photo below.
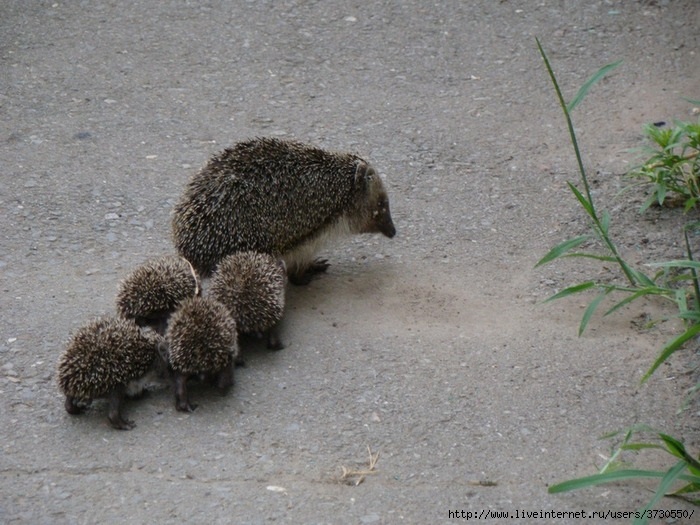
(387, 227)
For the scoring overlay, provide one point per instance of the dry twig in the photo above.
(355, 477)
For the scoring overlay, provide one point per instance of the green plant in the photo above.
(674, 165)
(638, 284)
(615, 470)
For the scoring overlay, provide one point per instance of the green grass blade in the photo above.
(674, 446)
(644, 291)
(638, 276)
(569, 123)
(693, 271)
(691, 315)
(577, 288)
(691, 487)
(584, 202)
(677, 448)
(682, 263)
(591, 308)
(604, 258)
(589, 84)
(605, 223)
(641, 446)
(561, 249)
(665, 485)
(680, 299)
(671, 347)
(608, 477)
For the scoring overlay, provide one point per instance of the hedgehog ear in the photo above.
(282, 265)
(364, 173)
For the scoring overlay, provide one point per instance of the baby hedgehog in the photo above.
(155, 289)
(104, 359)
(202, 341)
(251, 285)
(279, 197)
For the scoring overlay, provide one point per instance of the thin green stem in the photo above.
(693, 271)
(570, 125)
(592, 211)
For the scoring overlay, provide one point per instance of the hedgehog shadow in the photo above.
(353, 283)
(254, 351)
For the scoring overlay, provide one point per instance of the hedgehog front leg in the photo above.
(303, 275)
(116, 398)
(182, 402)
(72, 406)
(273, 339)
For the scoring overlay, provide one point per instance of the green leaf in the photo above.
(671, 347)
(561, 249)
(650, 200)
(589, 84)
(577, 288)
(660, 194)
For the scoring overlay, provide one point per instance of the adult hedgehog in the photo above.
(278, 197)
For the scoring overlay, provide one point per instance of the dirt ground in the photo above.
(433, 349)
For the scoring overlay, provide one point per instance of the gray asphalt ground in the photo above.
(431, 349)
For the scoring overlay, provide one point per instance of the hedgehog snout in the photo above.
(381, 222)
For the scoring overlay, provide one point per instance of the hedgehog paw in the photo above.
(305, 275)
(273, 341)
(186, 407)
(319, 265)
(120, 423)
(72, 407)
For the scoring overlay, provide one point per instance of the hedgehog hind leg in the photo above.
(303, 275)
(182, 402)
(116, 419)
(224, 378)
